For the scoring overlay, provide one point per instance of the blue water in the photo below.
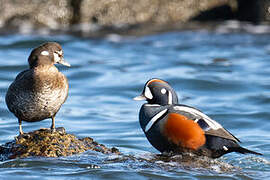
(226, 75)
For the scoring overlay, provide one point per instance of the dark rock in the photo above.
(253, 10)
(76, 11)
(220, 13)
(45, 143)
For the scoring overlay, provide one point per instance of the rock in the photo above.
(192, 161)
(172, 162)
(35, 13)
(44, 143)
(253, 10)
(118, 12)
(121, 16)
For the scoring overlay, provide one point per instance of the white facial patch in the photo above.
(170, 98)
(45, 53)
(60, 52)
(154, 119)
(147, 93)
(163, 91)
(56, 57)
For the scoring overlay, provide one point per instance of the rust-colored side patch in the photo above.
(184, 132)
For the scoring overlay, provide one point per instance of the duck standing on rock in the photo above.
(177, 128)
(38, 92)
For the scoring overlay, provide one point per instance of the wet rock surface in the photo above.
(44, 143)
(190, 161)
(187, 161)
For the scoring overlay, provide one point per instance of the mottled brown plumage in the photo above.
(38, 92)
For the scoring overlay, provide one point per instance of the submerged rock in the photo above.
(172, 162)
(44, 143)
(193, 161)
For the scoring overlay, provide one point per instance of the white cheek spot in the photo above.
(148, 93)
(56, 57)
(163, 91)
(225, 148)
(45, 53)
(60, 52)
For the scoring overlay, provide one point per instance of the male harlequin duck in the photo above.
(38, 92)
(177, 128)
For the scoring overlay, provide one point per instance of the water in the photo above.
(226, 75)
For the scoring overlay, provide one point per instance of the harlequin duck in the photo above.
(177, 128)
(38, 92)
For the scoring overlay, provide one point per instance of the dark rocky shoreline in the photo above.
(98, 17)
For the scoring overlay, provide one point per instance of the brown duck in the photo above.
(38, 92)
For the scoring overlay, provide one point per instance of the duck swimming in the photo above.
(39, 92)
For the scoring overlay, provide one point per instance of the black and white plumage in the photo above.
(38, 92)
(177, 128)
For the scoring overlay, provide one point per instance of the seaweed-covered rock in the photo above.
(44, 143)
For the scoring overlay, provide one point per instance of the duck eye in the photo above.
(163, 91)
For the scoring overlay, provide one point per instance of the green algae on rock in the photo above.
(44, 143)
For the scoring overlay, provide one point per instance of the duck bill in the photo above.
(63, 62)
(140, 98)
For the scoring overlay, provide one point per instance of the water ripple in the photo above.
(225, 75)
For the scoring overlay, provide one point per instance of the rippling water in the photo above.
(226, 75)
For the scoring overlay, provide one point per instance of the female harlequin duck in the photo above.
(38, 92)
(177, 128)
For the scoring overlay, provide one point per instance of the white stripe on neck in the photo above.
(169, 97)
(154, 119)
